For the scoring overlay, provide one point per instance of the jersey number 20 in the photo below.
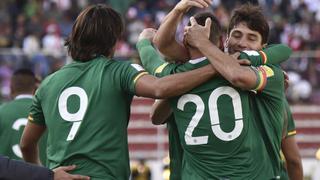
(214, 115)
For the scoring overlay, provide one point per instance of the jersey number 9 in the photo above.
(77, 117)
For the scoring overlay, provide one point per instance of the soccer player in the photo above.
(291, 159)
(17, 170)
(176, 52)
(14, 114)
(248, 29)
(208, 150)
(86, 104)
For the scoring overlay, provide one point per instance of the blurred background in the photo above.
(32, 35)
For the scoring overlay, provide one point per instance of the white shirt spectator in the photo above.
(31, 45)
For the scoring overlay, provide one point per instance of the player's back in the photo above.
(13, 118)
(218, 134)
(86, 107)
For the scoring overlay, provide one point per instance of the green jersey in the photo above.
(216, 128)
(268, 108)
(13, 118)
(86, 108)
(175, 149)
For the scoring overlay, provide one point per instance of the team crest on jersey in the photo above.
(137, 67)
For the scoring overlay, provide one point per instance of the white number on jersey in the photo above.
(16, 126)
(214, 115)
(76, 117)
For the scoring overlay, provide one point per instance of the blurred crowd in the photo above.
(32, 34)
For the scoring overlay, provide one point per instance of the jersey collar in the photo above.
(197, 60)
(21, 96)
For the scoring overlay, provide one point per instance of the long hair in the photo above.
(95, 32)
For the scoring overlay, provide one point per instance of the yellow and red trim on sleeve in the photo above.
(30, 118)
(160, 68)
(263, 72)
(291, 133)
(264, 57)
(142, 73)
(261, 79)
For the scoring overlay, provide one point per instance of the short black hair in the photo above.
(23, 81)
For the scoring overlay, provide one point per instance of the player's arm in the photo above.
(150, 59)
(273, 54)
(165, 36)
(239, 76)
(289, 147)
(13, 170)
(293, 159)
(160, 111)
(29, 142)
(172, 85)
(155, 65)
(33, 131)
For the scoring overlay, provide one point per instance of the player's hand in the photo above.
(147, 33)
(243, 62)
(60, 173)
(196, 34)
(184, 5)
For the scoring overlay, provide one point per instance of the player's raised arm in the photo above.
(151, 60)
(165, 38)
